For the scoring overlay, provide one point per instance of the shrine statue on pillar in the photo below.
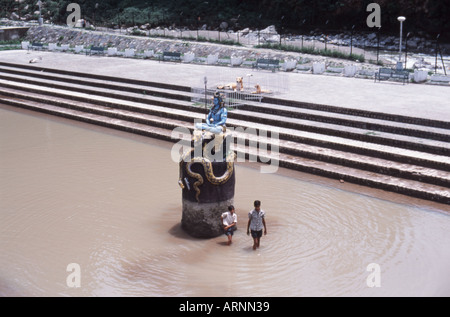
(207, 174)
(217, 117)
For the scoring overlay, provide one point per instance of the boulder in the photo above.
(244, 32)
(371, 36)
(269, 30)
(223, 25)
(14, 16)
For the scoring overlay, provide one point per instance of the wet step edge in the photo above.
(427, 192)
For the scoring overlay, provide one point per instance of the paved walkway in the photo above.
(418, 100)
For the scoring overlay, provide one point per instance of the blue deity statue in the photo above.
(217, 117)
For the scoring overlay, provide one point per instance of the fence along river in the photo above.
(110, 202)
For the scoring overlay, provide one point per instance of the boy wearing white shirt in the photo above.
(229, 220)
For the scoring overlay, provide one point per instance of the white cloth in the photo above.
(229, 218)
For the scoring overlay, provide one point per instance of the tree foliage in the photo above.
(430, 17)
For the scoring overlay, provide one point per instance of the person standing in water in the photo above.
(229, 220)
(256, 223)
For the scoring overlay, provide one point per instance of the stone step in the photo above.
(61, 80)
(331, 129)
(96, 76)
(366, 178)
(327, 128)
(292, 110)
(71, 76)
(357, 147)
(141, 94)
(369, 124)
(380, 166)
(348, 174)
(315, 135)
(359, 112)
(92, 118)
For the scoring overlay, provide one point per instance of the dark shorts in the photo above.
(256, 234)
(230, 231)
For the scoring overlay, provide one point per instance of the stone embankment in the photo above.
(149, 46)
(80, 40)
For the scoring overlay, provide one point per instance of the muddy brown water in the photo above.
(110, 202)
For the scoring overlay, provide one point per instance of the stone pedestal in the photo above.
(188, 57)
(129, 52)
(236, 61)
(420, 75)
(289, 65)
(112, 51)
(318, 68)
(202, 220)
(207, 189)
(350, 70)
(204, 203)
(212, 59)
(79, 48)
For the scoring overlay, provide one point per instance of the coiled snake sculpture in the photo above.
(207, 167)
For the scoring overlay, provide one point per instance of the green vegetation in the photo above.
(11, 42)
(430, 17)
(379, 63)
(314, 51)
(10, 45)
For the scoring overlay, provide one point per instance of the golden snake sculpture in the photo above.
(207, 167)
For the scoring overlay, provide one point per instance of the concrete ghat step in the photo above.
(370, 179)
(381, 166)
(114, 106)
(368, 124)
(92, 118)
(359, 113)
(155, 96)
(96, 76)
(77, 83)
(356, 161)
(268, 100)
(358, 147)
(105, 88)
(406, 142)
(374, 180)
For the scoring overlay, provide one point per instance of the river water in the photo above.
(110, 202)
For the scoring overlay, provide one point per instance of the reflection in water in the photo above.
(71, 193)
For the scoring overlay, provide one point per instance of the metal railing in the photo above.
(232, 99)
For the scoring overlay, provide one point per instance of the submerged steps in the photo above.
(402, 155)
(354, 175)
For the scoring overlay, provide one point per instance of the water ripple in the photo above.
(111, 204)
